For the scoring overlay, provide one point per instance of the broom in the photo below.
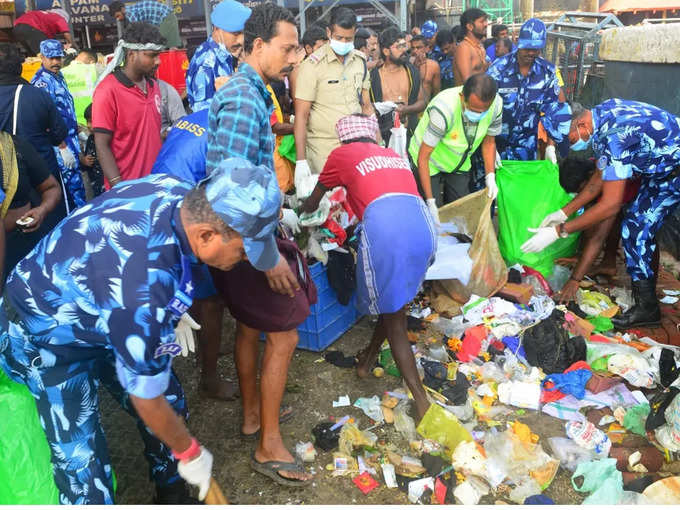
(215, 495)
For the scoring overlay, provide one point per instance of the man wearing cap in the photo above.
(50, 79)
(331, 83)
(215, 59)
(152, 12)
(455, 123)
(102, 300)
(429, 31)
(397, 239)
(33, 27)
(529, 87)
(275, 301)
(629, 138)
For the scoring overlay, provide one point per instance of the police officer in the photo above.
(103, 299)
(216, 58)
(331, 83)
(50, 79)
(455, 123)
(529, 87)
(627, 137)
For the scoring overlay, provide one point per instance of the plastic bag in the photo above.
(601, 478)
(518, 212)
(635, 419)
(371, 408)
(443, 427)
(404, 423)
(287, 148)
(398, 138)
(593, 303)
(471, 214)
(25, 465)
(569, 453)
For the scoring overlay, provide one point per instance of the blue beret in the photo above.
(429, 29)
(51, 48)
(230, 16)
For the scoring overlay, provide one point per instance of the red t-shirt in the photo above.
(120, 108)
(48, 23)
(367, 171)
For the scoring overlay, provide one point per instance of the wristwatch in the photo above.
(562, 233)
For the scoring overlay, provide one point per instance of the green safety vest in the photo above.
(80, 79)
(446, 156)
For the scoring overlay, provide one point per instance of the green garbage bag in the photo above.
(528, 192)
(287, 148)
(25, 465)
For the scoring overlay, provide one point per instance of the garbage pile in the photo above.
(503, 359)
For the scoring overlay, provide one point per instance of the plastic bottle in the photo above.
(559, 277)
(404, 423)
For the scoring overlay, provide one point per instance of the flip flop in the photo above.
(271, 470)
(286, 413)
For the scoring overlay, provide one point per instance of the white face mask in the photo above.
(341, 48)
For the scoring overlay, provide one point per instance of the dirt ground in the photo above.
(312, 386)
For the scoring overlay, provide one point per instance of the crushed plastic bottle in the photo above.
(404, 423)
(452, 328)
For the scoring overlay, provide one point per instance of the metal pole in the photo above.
(87, 36)
(119, 28)
(403, 15)
(208, 23)
(303, 16)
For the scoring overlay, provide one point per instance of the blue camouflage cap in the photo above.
(51, 48)
(248, 199)
(230, 16)
(532, 35)
(429, 29)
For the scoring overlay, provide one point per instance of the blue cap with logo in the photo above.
(532, 35)
(248, 199)
(51, 48)
(230, 16)
(429, 29)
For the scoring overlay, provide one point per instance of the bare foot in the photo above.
(365, 363)
(219, 389)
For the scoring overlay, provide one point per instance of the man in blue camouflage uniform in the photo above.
(529, 87)
(215, 59)
(627, 137)
(102, 300)
(50, 79)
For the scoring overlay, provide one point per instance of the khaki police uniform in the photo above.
(334, 88)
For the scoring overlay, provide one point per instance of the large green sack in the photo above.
(527, 192)
(25, 465)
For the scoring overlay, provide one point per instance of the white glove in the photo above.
(491, 186)
(184, 333)
(542, 238)
(68, 158)
(303, 179)
(498, 163)
(291, 120)
(291, 220)
(385, 107)
(198, 472)
(554, 218)
(432, 206)
(550, 154)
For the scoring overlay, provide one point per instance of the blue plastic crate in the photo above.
(328, 319)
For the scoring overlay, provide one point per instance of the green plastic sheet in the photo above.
(287, 148)
(25, 465)
(635, 419)
(528, 192)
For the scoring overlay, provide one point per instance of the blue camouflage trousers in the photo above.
(73, 181)
(66, 396)
(644, 217)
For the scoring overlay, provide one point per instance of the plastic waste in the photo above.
(635, 418)
(351, 437)
(510, 457)
(538, 499)
(524, 489)
(371, 408)
(438, 352)
(668, 435)
(386, 360)
(417, 487)
(470, 491)
(404, 423)
(586, 435)
(389, 475)
(469, 460)
(623, 297)
(443, 427)
(569, 453)
(593, 303)
(25, 465)
(526, 395)
(463, 413)
(452, 328)
(560, 275)
(602, 480)
(305, 451)
(324, 437)
(633, 368)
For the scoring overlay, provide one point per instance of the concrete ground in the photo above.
(312, 386)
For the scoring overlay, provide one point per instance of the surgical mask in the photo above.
(580, 144)
(475, 116)
(341, 48)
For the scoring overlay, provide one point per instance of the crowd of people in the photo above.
(132, 219)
